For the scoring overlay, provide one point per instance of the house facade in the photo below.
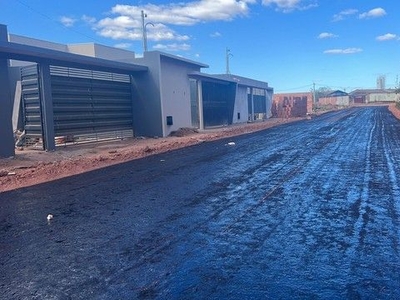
(92, 90)
(374, 95)
(335, 98)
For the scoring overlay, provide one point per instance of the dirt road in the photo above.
(305, 210)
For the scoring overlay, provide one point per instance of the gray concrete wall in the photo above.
(241, 105)
(15, 76)
(175, 93)
(83, 49)
(33, 42)
(6, 133)
(36, 42)
(147, 115)
(101, 51)
(163, 91)
(269, 95)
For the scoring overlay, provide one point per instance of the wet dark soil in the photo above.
(303, 210)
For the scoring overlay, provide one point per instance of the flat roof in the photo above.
(245, 81)
(372, 91)
(21, 52)
(210, 77)
(182, 59)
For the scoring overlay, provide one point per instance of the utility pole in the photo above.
(228, 53)
(144, 31)
(144, 35)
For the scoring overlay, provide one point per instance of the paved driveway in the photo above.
(304, 210)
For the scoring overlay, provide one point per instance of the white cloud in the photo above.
(188, 13)
(373, 13)
(125, 22)
(343, 51)
(327, 35)
(128, 29)
(344, 14)
(387, 37)
(88, 19)
(160, 32)
(67, 21)
(174, 47)
(215, 34)
(290, 5)
(123, 45)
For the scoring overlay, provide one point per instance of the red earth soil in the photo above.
(30, 167)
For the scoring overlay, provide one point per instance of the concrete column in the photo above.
(252, 104)
(200, 104)
(6, 132)
(47, 107)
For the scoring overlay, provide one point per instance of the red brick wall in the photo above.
(291, 105)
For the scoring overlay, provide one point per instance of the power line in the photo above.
(298, 88)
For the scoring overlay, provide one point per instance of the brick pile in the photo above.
(291, 105)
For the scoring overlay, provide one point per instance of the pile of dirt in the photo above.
(184, 132)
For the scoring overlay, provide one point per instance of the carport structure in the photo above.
(53, 79)
(212, 100)
(225, 99)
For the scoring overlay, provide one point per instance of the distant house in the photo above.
(335, 98)
(337, 93)
(374, 95)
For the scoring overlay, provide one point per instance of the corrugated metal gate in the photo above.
(218, 103)
(87, 105)
(257, 101)
(30, 94)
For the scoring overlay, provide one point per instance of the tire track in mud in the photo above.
(376, 256)
(152, 246)
(340, 241)
(257, 218)
(234, 190)
(227, 231)
(314, 168)
(359, 226)
(380, 187)
(394, 205)
(290, 169)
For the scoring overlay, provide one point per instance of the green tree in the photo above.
(322, 92)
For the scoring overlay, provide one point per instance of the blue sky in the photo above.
(291, 44)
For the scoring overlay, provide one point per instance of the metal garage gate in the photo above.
(256, 99)
(31, 110)
(87, 105)
(218, 103)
